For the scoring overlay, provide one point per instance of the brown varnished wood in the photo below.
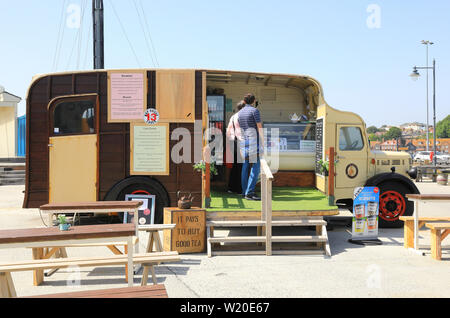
(436, 197)
(75, 233)
(113, 139)
(152, 291)
(92, 205)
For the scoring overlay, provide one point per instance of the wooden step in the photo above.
(262, 239)
(304, 222)
(238, 239)
(274, 252)
(299, 239)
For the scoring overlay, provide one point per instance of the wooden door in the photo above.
(73, 150)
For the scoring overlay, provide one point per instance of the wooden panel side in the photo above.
(175, 95)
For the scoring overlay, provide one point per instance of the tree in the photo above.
(393, 133)
(443, 128)
(372, 130)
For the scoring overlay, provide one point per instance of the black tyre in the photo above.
(394, 204)
(147, 186)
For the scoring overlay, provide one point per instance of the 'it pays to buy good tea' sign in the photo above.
(365, 213)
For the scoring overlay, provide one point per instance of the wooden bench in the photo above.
(409, 227)
(7, 289)
(439, 231)
(417, 198)
(61, 252)
(154, 291)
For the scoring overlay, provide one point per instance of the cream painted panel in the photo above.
(7, 132)
(73, 169)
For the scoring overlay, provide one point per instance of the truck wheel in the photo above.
(148, 187)
(394, 204)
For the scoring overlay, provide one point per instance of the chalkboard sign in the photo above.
(319, 145)
(146, 210)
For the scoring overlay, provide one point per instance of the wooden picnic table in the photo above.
(40, 238)
(416, 198)
(101, 207)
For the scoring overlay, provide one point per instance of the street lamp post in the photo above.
(415, 76)
(427, 43)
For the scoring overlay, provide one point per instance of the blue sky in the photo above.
(362, 69)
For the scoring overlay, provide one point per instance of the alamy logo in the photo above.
(374, 279)
(74, 279)
(73, 16)
(374, 19)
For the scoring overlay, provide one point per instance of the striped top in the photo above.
(248, 118)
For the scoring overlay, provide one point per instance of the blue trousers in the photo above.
(249, 182)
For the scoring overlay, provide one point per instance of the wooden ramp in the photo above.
(263, 243)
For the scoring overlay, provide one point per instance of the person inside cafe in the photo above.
(233, 154)
(251, 146)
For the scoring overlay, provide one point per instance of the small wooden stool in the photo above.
(153, 240)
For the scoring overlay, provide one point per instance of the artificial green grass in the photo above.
(283, 199)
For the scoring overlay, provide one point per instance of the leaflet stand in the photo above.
(365, 216)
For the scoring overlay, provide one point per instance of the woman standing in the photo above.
(233, 154)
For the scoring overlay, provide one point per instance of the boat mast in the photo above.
(99, 50)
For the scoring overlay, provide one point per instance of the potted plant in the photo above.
(201, 167)
(324, 167)
(63, 225)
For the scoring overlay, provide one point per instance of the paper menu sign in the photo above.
(365, 213)
(149, 149)
(126, 96)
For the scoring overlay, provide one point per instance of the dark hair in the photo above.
(240, 105)
(249, 99)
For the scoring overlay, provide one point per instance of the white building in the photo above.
(8, 123)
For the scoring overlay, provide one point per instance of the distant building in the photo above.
(389, 145)
(8, 123)
(442, 144)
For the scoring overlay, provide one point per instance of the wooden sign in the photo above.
(127, 96)
(189, 235)
(149, 146)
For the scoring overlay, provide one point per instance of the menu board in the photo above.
(319, 144)
(127, 96)
(149, 149)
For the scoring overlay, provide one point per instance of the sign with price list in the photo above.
(149, 146)
(127, 96)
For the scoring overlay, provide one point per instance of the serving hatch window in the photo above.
(350, 139)
(75, 117)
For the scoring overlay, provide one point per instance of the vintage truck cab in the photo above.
(356, 165)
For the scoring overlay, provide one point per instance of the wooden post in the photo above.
(207, 177)
(268, 200)
(331, 174)
(266, 203)
(263, 196)
(436, 251)
(38, 274)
